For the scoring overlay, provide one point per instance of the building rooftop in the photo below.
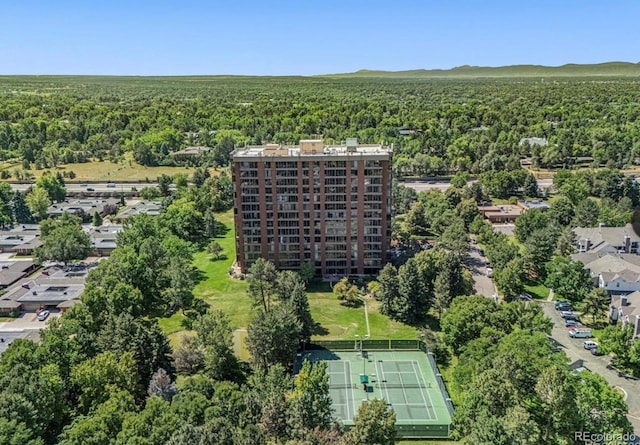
(12, 270)
(311, 147)
(45, 293)
(543, 205)
(501, 210)
(152, 208)
(87, 205)
(534, 141)
(610, 263)
(604, 237)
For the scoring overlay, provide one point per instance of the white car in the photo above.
(489, 272)
(42, 316)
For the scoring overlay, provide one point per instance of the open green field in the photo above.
(334, 321)
(537, 291)
(103, 171)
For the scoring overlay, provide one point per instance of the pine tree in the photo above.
(409, 307)
(21, 210)
(96, 220)
(388, 279)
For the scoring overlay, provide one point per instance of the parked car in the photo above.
(571, 323)
(42, 316)
(596, 351)
(564, 307)
(523, 297)
(577, 332)
(589, 344)
(561, 303)
(489, 272)
(565, 314)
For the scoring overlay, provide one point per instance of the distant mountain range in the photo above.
(569, 70)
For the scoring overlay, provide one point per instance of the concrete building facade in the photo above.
(327, 205)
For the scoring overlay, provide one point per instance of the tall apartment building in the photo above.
(328, 205)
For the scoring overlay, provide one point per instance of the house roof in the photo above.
(602, 237)
(192, 151)
(625, 275)
(501, 210)
(543, 205)
(88, 206)
(13, 270)
(534, 141)
(608, 263)
(7, 303)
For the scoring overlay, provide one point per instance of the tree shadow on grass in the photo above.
(221, 230)
(221, 257)
(318, 329)
(198, 275)
(432, 322)
(318, 285)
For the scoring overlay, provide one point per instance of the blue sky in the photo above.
(305, 37)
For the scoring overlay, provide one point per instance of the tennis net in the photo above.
(381, 385)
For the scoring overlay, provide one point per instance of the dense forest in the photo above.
(447, 125)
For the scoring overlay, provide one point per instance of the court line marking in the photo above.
(404, 391)
(421, 392)
(430, 409)
(381, 374)
(347, 376)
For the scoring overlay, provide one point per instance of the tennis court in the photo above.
(407, 380)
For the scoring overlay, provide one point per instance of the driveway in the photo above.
(477, 264)
(574, 350)
(507, 229)
(26, 321)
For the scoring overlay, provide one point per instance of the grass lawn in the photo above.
(537, 291)
(447, 376)
(126, 170)
(336, 321)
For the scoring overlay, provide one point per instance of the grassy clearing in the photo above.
(537, 291)
(447, 376)
(126, 170)
(335, 321)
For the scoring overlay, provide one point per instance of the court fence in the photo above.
(387, 345)
(370, 345)
(403, 431)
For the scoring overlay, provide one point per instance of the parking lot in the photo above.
(574, 349)
(477, 264)
(27, 321)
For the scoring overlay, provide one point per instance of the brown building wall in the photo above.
(306, 196)
(237, 215)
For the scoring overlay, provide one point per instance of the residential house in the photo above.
(152, 208)
(103, 238)
(13, 270)
(617, 273)
(190, 153)
(625, 309)
(21, 239)
(85, 207)
(607, 239)
(508, 213)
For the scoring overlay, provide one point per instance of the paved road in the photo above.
(97, 187)
(477, 264)
(420, 186)
(574, 350)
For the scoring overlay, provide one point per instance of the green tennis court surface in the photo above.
(405, 379)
